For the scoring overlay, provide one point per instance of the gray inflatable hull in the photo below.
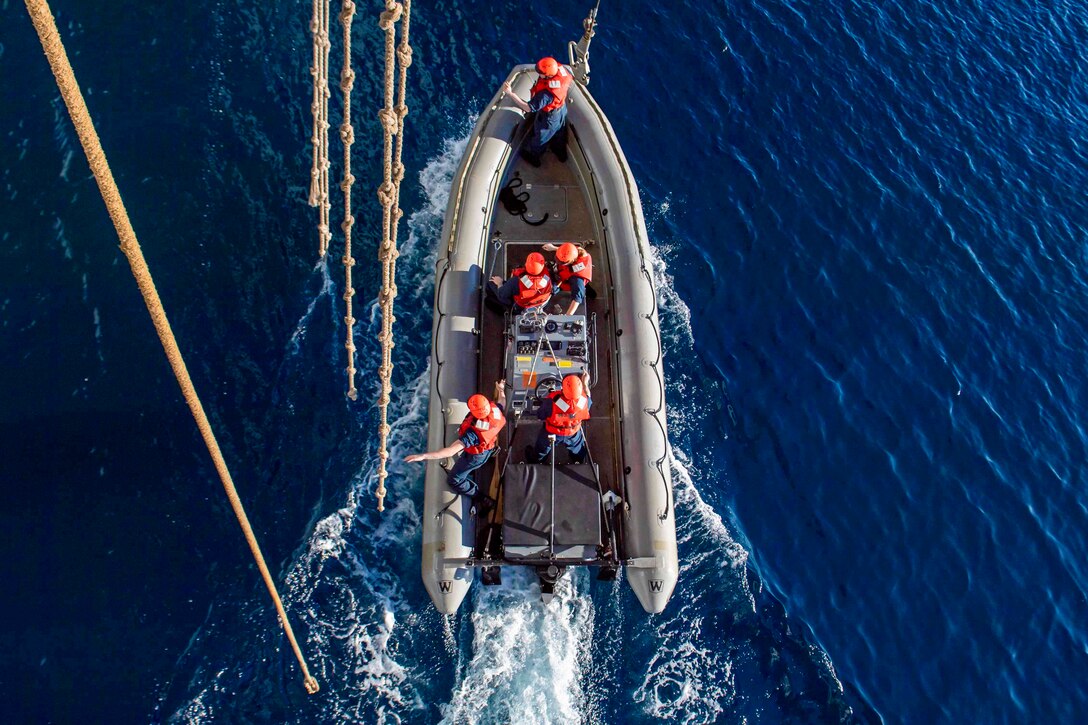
(650, 555)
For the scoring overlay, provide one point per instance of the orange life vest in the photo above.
(487, 429)
(566, 418)
(582, 267)
(534, 290)
(557, 85)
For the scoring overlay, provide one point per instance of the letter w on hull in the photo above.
(656, 584)
(446, 584)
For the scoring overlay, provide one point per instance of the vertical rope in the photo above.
(46, 27)
(392, 120)
(347, 137)
(319, 172)
(326, 201)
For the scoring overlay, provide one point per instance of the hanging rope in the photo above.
(319, 173)
(347, 137)
(46, 26)
(392, 119)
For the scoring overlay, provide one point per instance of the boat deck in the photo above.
(555, 195)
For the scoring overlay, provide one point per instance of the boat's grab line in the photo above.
(46, 26)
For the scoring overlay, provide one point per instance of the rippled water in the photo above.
(868, 224)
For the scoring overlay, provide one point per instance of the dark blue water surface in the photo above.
(869, 227)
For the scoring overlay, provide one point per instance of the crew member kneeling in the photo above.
(563, 412)
(574, 266)
(528, 287)
(477, 440)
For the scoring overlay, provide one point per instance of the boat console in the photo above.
(541, 350)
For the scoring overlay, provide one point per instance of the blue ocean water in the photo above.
(868, 222)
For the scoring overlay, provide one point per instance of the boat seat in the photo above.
(527, 511)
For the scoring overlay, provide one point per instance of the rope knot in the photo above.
(347, 134)
(385, 194)
(347, 12)
(389, 120)
(347, 80)
(391, 15)
(347, 182)
(404, 56)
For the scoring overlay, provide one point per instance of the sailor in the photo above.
(528, 287)
(548, 100)
(574, 267)
(477, 441)
(563, 412)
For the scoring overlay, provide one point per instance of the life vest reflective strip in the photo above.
(487, 429)
(534, 290)
(582, 267)
(557, 85)
(567, 416)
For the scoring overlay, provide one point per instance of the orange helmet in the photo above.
(547, 67)
(534, 264)
(479, 406)
(566, 253)
(572, 387)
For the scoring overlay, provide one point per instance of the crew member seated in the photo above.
(528, 287)
(563, 412)
(477, 440)
(574, 266)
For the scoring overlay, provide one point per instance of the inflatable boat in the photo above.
(614, 510)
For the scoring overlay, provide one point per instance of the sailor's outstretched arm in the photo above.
(500, 392)
(456, 447)
(514, 97)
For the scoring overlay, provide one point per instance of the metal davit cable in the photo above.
(46, 27)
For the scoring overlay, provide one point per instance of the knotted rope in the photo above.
(46, 27)
(347, 138)
(319, 173)
(392, 119)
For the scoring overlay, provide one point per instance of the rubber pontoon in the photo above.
(617, 510)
